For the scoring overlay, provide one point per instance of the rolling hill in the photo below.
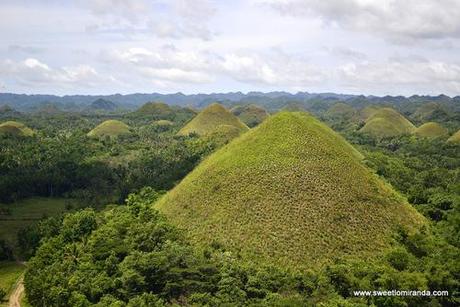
(341, 110)
(15, 128)
(102, 105)
(290, 191)
(251, 115)
(110, 128)
(387, 122)
(157, 109)
(209, 119)
(431, 130)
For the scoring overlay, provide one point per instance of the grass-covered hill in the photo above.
(102, 105)
(251, 115)
(431, 130)
(209, 119)
(111, 128)
(15, 128)
(291, 191)
(387, 122)
(455, 138)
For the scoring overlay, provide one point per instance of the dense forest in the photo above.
(116, 249)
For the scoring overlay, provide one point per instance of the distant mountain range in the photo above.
(270, 100)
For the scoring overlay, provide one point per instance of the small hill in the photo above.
(455, 138)
(111, 128)
(209, 119)
(223, 134)
(251, 115)
(290, 191)
(341, 110)
(102, 105)
(431, 130)
(387, 122)
(15, 128)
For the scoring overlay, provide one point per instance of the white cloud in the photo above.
(394, 19)
(35, 73)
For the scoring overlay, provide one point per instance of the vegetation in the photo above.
(387, 122)
(209, 119)
(252, 115)
(431, 130)
(110, 128)
(290, 176)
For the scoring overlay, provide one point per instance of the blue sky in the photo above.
(202, 46)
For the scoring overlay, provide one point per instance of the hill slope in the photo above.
(102, 105)
(455, 138)
(209, 119)
(15, 128)
(430, 130)
(111, 128)
(291, 191)
(387, 122)
(251, 115)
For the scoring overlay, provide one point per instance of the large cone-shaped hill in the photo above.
(15, 128)
(111, 128)
(155, 108)
(387, 122)
(209, 119)
(291, 191)
(431, 130)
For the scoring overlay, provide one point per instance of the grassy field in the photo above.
(9, 275)
(290, 191)
(28, 211)
(209, 119)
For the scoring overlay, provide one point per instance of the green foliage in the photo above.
(290, 176)
(455, 138)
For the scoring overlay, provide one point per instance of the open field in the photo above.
(9, 275)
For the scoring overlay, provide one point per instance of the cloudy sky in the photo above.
(200, 46)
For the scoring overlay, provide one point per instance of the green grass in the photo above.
(431, 130)
(251, 115)
(111, 128)
(367, 112)
(163, 123)
(427, 110)
(455, 138)
(9, 275)
(28, 211)
(291, 192)
(387, 122)
(209, 119)
(15, 128)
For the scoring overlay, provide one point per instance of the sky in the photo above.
(371, 47)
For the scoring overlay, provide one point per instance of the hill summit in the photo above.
(455, 138)
(15, 128)
(387, 122)
(431, 130)
(208, 120)
(110, 128)
(291, 191)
